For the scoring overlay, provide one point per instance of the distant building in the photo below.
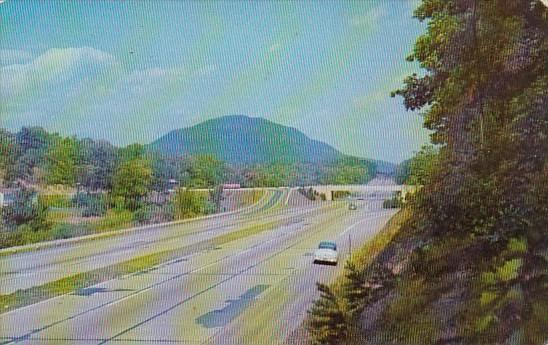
(172, 185)
(231, 186)
(7, 196)
(157, 198)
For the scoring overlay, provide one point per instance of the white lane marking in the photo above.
(288, 195)
(363, 221)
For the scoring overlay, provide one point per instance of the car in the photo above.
(326, 253)
(352, 206)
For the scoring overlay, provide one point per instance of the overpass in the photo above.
(368, 191)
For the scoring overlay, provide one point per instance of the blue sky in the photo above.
(130, 71)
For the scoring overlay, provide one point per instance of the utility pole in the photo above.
(78, 184)
(350, 244)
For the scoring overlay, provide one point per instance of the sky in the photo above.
(130, 71)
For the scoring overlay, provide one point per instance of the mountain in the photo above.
(243, 140)
(385, 168)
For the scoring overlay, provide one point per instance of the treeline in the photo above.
(415, 171)
(36, 157)
(475, 268)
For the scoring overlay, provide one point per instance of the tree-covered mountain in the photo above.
(243, 140)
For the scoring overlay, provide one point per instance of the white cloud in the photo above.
(55, 66)
(14, 56)
(65, 89)
(367, 19)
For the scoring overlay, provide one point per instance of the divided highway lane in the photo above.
(249, 291)
(27, 269)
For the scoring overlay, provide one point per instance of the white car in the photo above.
(326, 253)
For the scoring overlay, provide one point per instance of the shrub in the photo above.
(55, 200)
(340, 194)
(328, 323)
(188, 204)
(114, 220)
(26, 210)
(308, 193)
(10, 239)
(151, 214)
(63, 230)
(392, 203)
(91, 205)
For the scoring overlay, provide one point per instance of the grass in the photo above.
(58, 216)
(252, 197)
(366, 254)
(113, 220)
(56, 200)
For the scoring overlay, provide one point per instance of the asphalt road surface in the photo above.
(27, 269)
(254, 290)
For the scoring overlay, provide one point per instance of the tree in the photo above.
(349, 171)
(402, 172)
(164, 169)
(422, 166)
(26, 210)
(188, 204)
(355, 290)
(133, 151)
(99, 162)
(327, 324)
(205, 171)
(33, 138)
(61, 162)
(131, 182)
(7, 154)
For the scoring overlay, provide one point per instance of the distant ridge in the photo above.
(244, 140)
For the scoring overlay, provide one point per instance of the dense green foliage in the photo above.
(40, 158)
(486, 88)
(474, 264)
(61, 160)
(90, 205)
(26, 210)
(189, 203)
(328, 320)
(418, 169)
(131, 182)
(204, 171)
(348, 171)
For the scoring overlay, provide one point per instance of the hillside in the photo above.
(243, 140)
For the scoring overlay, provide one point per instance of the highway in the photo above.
(30, 268)
(253, 290)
